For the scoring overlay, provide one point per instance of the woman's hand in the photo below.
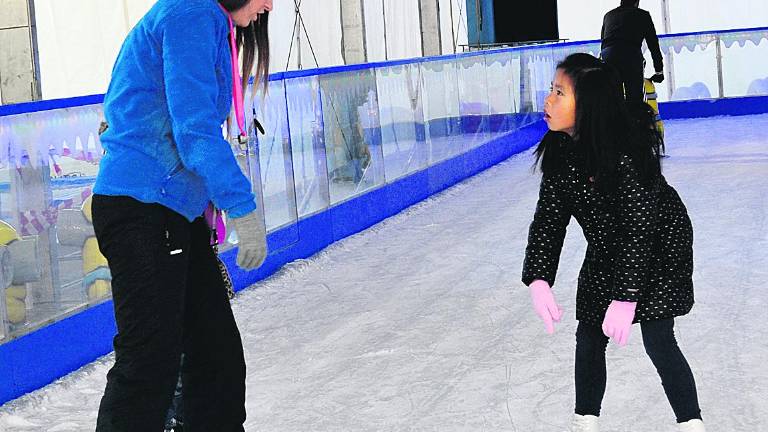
(252, 241)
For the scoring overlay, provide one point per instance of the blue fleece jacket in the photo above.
(171, 90)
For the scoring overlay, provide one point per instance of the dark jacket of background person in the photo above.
(626, 27)
(622, 35)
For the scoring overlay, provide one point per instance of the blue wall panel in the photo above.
(749, 105)
(407, 191)
(8, 388)
(37, 358)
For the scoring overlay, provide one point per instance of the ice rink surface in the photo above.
(421, 323)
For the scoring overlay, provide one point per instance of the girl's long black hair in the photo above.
(252, 41)
(607, 126)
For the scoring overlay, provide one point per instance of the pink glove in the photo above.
(544, 304)
(618, 321)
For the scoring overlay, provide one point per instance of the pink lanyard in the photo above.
(213, 215)
(237, 85)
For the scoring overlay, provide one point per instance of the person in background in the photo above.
(621, 39)
(166, 162)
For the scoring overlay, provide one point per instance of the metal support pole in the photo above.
(3, 308)
(429, 27)
(18, 52)
(352, 32)
(37, 90)
(384, 19)
(719, 54)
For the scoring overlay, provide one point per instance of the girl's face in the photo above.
(250, 12)
(560, 105)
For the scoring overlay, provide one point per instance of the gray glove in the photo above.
(252, 241)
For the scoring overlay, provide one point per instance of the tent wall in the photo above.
(80, 39)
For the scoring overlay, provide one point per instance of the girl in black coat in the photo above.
(600, 164)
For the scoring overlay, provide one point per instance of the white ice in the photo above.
(421, 324)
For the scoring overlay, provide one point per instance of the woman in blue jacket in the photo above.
(165, 161)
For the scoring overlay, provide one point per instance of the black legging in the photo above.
(661, 347)
(629, 64)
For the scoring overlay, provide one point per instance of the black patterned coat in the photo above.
(640, 241)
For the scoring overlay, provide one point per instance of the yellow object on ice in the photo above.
(15, 304)
(86, 208)
(17, 310)
(18, 292)
(14, 295)
(92, 257)
(93, 260)
(7, 233)
(649, 88)
(99, 289)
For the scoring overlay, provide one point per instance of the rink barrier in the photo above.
(361, 212)
(34, 360)
(50, 104)
(66, 342)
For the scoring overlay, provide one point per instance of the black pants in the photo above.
(661, 347)
(630, 65)
(169, 298)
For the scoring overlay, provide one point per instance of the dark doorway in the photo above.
(525, 20)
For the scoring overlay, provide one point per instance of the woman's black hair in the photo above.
(607, 126)
(252, 41)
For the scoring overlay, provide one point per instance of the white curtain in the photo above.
(78, 41)
(700, 15)
(281, 35)
(375, 44)
(403, 29)
(453, 25)
(322, 19)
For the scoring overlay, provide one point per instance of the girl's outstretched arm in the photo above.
(547, 231)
